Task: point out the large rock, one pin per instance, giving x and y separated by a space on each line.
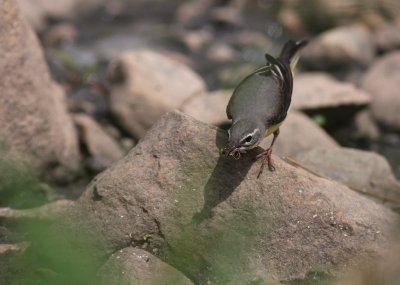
381 81
142 88
33 116
135 266
297 134
211 218
345 46
317 90
360 170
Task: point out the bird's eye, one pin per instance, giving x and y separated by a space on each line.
248 139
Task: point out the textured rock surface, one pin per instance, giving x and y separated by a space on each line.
211 218
297 134
33 116
101 146
142 88
381 81
340 47
362 170
134 266
209 109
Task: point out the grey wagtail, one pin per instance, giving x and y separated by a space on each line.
260 102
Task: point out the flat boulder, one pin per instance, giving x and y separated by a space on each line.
317 90
364 171
212 219
318 93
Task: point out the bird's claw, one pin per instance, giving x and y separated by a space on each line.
266 155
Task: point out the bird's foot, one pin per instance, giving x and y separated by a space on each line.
266 158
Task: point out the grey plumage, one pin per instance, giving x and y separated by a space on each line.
260 102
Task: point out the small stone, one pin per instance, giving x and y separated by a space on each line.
61 33
196 40
98 143
220 53
227 15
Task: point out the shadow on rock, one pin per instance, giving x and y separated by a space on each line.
225 178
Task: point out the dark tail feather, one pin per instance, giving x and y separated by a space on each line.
290 49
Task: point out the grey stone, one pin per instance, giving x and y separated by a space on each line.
194 13
33 115
211 218
142 88
381 81
220 53
317 90
98 143
365 126
344 46
196 40
135 266
361 170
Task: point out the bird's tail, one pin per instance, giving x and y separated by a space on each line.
290 49
289 53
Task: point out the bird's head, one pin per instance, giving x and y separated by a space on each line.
243 135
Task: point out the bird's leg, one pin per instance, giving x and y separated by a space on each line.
266 155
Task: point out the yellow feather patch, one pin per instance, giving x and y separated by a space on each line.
293 64
272 129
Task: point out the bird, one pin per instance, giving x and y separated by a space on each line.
260 102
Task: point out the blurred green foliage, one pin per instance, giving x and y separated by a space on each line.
51 257
19 185
319 120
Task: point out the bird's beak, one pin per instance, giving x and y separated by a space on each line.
233 151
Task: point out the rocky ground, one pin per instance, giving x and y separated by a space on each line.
112 117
